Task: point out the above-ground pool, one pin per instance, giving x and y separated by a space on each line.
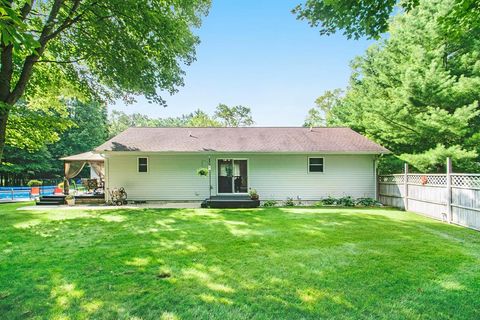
22 193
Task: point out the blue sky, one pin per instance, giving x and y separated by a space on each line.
255 53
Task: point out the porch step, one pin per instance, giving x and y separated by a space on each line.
230 202
49 202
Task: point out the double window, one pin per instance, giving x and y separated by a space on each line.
315 164
142 164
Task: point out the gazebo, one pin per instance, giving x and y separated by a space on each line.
73 165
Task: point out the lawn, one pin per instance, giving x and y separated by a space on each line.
279 263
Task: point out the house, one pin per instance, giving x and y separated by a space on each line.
279 162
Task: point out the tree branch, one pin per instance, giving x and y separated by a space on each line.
27 7
31 59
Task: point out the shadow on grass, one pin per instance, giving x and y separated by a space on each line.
242 264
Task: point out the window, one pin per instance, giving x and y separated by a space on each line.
315 164
142 164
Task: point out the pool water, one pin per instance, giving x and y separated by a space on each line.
12 193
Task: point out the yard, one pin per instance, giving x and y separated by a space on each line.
290 263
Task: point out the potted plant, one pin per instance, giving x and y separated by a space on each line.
70 200
253 194
202 172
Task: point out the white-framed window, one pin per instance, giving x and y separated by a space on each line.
142 164
316 164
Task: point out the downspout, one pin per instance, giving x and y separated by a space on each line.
209 178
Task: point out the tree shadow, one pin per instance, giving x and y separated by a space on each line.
256 264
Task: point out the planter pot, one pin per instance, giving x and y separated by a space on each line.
70 202
254 198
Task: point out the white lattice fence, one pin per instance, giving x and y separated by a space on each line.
447 197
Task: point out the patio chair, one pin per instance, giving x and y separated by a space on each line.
34 192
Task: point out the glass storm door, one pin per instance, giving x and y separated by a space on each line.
232 176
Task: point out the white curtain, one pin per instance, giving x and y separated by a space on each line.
72 169
99 168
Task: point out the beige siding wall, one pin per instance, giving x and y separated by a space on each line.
275 176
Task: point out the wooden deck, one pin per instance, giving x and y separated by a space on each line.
233 201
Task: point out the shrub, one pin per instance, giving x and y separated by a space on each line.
367 202
253 194
330 201
202 171
270 203
289 202
34 183
346 202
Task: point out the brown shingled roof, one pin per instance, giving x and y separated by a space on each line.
251 139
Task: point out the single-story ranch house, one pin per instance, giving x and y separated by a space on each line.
300 163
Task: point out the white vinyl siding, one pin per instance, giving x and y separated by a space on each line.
274 176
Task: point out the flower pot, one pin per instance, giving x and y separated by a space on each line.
70 202
254 197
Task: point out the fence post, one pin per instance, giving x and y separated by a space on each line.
449 190
13 195
405 187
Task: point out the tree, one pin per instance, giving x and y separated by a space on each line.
237 116
320 115
56 49
224 116
416 94
87 129
201 119
371 17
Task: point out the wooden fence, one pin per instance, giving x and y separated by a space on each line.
450 197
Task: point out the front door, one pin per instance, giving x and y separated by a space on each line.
232 176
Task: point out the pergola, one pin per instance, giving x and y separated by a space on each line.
73 165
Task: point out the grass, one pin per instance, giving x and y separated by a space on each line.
274 263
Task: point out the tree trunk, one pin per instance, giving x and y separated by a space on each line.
3 129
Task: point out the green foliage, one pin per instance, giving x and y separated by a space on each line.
270 203
223 116
415 94
200 118
320 115
356 18
435 159
34 183
289 202
237 116
85 129
268 264
253 194
367 202
202 172
348 201
370 18
54 51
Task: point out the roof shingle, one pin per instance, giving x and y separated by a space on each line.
243 139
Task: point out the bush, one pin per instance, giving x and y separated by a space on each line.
270 203
367 202
34 183
202 172
330 201
289 202
346 202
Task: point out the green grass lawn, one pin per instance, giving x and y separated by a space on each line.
274 263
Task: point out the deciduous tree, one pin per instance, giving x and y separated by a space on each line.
57 49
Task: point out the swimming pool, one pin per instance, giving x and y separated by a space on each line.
21 193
